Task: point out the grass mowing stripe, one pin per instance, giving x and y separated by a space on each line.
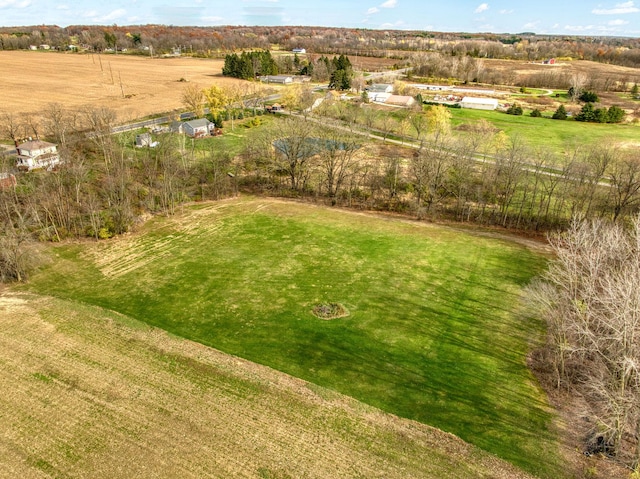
431 334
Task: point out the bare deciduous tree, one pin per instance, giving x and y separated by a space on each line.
590 297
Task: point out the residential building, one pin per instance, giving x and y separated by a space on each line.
35 154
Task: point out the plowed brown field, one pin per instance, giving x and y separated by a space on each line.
133 86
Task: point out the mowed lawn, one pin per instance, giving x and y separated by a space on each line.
557 136
432 333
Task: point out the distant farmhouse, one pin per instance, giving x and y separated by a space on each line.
35 154
479 103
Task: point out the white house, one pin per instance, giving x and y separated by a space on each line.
37 154
299 50
197 128
479 103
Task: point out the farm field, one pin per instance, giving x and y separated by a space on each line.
150 86
91 393
432 332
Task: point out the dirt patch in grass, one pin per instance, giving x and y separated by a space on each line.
328 311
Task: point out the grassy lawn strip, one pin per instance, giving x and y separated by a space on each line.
554 135
431 333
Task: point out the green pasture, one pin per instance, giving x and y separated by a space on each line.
432 333
545 133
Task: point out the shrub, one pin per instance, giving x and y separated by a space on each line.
515 110
615 114
588 113
560 113
536 113
588 96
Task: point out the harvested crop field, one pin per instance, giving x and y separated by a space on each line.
132 86
518 68
91 393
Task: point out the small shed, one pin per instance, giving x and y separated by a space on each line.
143 139
479 103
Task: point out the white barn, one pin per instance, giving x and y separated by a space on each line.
280 79
479 103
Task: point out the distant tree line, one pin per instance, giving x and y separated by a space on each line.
214 41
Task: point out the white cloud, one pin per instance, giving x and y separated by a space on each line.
62 7
619 9
617 22
483 7
530 25
14 3
114 15
395 24
372 10
505 12
213 19
578 28
108 18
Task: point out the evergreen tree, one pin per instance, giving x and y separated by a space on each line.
588 113
515 109
589 97
560 113
615 114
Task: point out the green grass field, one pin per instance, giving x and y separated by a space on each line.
432 334
553 135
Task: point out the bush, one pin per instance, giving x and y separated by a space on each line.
515 110
536 113
615 114
588 97
560 113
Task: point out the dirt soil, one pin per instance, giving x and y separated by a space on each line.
132 86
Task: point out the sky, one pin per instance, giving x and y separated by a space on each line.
573 17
